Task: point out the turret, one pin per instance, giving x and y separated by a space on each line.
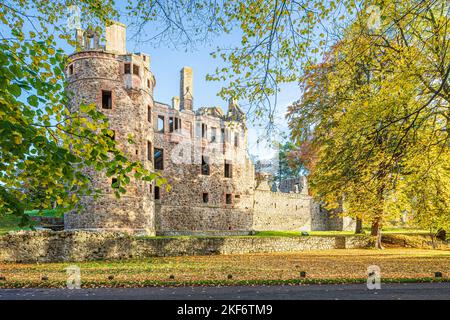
121 85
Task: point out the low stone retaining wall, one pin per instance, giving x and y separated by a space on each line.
54 246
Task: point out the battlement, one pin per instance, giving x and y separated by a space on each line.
115 39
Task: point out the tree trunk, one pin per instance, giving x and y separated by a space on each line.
359 227
433 241
376 231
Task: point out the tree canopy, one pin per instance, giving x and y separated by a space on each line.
45 147
376 113
372 123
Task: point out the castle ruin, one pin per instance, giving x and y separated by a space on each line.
201 152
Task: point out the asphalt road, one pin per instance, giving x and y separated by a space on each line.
422 291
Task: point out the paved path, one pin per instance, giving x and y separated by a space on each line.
336 292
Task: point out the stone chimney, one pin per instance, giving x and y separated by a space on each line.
115 36
79 34
235 113
305 187
186 89
176 103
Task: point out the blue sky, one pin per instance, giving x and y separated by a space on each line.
167 62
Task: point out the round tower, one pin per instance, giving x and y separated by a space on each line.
121 85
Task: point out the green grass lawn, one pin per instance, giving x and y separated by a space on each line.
298 233
338 233
44 213
11 222
393 230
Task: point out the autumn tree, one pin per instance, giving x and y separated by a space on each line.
44 147
377 109
43 144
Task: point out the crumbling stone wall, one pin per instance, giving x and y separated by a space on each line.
49 246
292 208
184 210
329 220
281 211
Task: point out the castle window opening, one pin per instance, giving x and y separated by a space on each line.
236 140
127 68
205 166
149 114
205 197
160 125
171 124
227 136
148 83
106 99
135 69
174 124
149 151
91 42
213 134
228 170
189 128
228 198
150 187
238 196
159 159
157 193
71 69
204 130
222 131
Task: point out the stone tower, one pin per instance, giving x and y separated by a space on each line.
121 85
186 89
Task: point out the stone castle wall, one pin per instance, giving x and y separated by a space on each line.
49 246
202 220
325 220
282 211
184 210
